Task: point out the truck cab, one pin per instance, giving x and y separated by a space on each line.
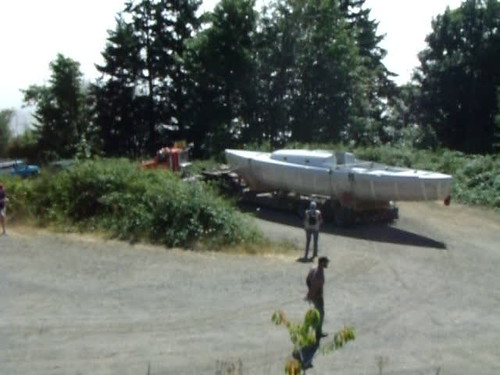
172 158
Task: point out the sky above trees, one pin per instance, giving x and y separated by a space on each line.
34 32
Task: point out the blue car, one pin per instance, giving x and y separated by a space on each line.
19 168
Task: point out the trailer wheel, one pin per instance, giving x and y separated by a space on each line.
301 210
344 216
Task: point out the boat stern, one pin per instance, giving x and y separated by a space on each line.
241 162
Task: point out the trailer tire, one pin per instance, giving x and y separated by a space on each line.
301 210
344 216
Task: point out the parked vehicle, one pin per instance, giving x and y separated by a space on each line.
174 158
18 168
62 164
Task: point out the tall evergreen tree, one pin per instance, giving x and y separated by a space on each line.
64 125
277 74
143 74
329 92
221 62
496 135
120 103
320 72
5 133
459 76
380 89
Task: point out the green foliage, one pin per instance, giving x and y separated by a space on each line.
478 180
304 334
220 60
301 334
320 73
20 192
123 131
117 196
301 71
496 147
64 126
459 76
5 133
24 146
144 81
340 338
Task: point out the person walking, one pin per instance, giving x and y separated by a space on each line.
312 222
315 281
3 204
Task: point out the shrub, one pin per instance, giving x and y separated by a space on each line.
19 192
304 340
115 195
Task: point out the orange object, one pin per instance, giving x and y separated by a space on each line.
172 158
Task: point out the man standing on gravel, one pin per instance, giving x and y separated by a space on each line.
315 281
3 203
312 221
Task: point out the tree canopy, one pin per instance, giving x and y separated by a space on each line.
295 70
144 84
5 133
459 76
64 125
301 70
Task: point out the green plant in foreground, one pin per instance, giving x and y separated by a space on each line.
304 334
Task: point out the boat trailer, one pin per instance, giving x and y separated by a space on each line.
344 212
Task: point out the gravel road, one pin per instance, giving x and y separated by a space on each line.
422 294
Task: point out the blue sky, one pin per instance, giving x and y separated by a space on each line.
34 31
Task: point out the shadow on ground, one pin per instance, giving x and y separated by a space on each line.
371 232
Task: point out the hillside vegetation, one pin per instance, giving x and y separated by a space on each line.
117 197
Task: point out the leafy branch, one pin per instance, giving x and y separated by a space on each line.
304 335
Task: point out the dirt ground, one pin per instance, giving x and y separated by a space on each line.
422 294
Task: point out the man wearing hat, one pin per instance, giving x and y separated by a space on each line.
312 221
315 281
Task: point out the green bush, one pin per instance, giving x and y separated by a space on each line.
19 192
117 196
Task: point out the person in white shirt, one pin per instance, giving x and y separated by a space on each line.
312 222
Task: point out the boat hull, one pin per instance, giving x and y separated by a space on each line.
359 180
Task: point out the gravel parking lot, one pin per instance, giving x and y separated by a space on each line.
423 295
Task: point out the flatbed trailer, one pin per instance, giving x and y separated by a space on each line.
332 209
345 211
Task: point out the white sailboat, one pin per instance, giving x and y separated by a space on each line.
336 174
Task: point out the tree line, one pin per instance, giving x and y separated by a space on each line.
295 71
